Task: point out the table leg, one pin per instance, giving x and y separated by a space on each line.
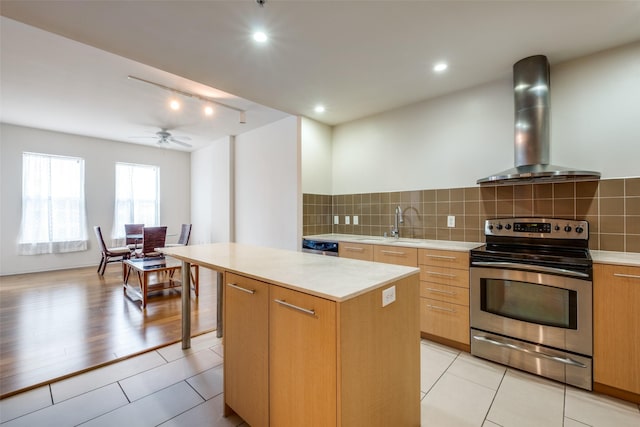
186 305
145 281
219 296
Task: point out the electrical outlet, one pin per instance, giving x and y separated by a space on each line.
336 219
346 220
355 220
388 296
451 221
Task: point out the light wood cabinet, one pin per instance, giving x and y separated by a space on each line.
328 363
398 255
616 335
302 339
246 348
444 297
361 251
446 259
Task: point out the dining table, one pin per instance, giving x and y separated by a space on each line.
143 267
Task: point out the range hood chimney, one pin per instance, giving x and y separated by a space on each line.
531 146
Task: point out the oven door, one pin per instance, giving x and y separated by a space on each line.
546 309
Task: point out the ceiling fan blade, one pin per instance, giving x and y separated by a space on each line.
177 141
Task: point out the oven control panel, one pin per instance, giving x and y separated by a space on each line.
551 228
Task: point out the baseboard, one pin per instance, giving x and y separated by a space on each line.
444 341
616 392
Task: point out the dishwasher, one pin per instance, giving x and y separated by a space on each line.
320 247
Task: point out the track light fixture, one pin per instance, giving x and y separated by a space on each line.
243 114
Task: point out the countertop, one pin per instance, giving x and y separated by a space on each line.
631 259
445 245
333 278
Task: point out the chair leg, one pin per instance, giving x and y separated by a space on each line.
102 261
104 265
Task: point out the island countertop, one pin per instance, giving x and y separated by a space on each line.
333 278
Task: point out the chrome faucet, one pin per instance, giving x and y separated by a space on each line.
395 231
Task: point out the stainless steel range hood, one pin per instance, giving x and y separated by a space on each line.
531 146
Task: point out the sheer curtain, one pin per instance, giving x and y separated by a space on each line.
137 197
54 216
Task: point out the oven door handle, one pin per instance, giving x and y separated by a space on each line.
565 360
529 267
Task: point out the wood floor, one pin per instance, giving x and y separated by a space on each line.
58 323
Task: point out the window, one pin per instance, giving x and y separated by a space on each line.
53 206
137 197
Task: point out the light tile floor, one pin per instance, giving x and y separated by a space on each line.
172 387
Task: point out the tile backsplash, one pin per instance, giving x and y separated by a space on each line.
612 207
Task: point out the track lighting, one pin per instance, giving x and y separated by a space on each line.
243 116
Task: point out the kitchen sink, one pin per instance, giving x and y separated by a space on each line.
371 240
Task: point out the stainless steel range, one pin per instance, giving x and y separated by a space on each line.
531 298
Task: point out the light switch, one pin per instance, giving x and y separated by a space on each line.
451 221
355 220
336 219
346 220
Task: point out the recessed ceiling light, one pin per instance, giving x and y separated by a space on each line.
260 37
319 109
174 104
440 67
208 110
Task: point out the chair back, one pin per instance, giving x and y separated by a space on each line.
98 231
185 233
153 237
132 229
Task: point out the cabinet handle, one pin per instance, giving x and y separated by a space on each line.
448 258
249 291
295 307
392 252
627 276
435 307
351 248
440 291
435 273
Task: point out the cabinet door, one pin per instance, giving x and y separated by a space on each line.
246 348
302 359
396 255
360 251
616 326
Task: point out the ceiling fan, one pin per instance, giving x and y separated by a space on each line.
164 137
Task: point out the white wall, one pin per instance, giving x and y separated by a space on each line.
316 157
100 158
268 205
211 193
452 141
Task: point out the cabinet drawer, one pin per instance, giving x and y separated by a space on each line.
450 321
446 293
361 251
396 255
451 259
444 275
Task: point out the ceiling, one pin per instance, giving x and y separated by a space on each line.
357 58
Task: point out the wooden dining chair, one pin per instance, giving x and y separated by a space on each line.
185 234
131 229
152 237
109 254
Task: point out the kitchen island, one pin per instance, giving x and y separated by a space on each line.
312 340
